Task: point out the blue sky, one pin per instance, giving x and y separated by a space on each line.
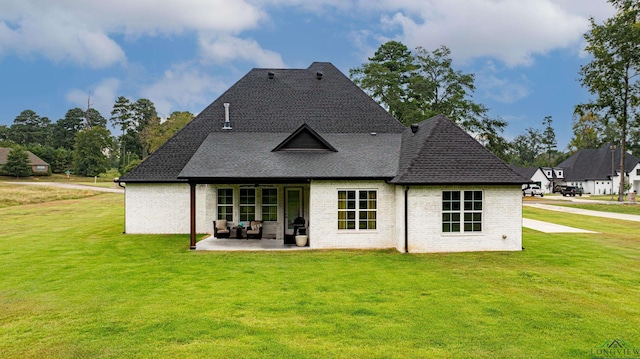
182 54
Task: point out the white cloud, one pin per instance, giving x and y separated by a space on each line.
509 30
502 89
102 96
223 49
82 31
182 88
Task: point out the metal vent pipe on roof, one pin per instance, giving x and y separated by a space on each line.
414 127
319 75
271 75
227 124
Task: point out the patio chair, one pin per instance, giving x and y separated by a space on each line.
221 229
254 231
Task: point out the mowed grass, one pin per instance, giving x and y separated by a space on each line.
15 195
73 286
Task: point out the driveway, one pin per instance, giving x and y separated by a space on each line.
71 186
586 212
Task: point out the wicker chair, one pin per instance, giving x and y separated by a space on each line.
221 229
254 231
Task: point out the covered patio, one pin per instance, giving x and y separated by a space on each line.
225 244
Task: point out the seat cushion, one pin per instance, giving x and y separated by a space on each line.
253 231
223 231
221 224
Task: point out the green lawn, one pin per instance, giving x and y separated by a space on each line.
73 286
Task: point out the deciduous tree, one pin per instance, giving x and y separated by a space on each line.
612 74
386 79
89 158
159 133
586 130
414 87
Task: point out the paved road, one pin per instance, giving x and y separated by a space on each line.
70 185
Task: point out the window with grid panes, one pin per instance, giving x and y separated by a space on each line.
225 203
357 209
269 204
461 211
247 204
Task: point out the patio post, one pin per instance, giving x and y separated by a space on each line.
192 204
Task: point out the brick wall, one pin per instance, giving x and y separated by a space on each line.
323 214
501 221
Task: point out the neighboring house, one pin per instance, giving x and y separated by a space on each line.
597 170
38 166
282 144
535 175
555 176
634 179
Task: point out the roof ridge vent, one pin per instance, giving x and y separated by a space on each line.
319 75
227 123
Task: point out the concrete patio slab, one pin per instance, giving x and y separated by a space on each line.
226 244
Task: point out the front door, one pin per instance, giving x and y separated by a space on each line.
293 209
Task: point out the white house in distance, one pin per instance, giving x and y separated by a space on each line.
597 170
281 144
536 175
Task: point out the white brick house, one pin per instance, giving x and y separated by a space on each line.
597 170
284 144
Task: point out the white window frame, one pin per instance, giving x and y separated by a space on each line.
461 214
229 214
269 205
246 217
357 210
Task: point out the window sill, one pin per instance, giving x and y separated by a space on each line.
466 234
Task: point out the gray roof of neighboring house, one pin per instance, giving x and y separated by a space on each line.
33 159
259 105
526 172
595 164
440 152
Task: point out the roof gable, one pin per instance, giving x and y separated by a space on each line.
527 172
304 139
440 152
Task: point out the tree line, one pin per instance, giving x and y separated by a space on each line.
82 143
416 85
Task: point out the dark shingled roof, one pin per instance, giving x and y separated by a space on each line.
595 164
228 157
258 104
440 152
526 172
305 117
